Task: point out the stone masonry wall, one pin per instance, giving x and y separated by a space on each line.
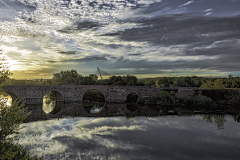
74 93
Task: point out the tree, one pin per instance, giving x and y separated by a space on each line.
72 73
116 80
162 82
230 76
69 80
207 85
180 82
30 82
93 76
57 76
50 82
20 82
4 69
10 120
104 82
130 80
218 84
87 81
149 82
140 82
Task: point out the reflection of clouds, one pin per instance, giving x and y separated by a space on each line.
95 109
6 99
48 107
96 136
44 132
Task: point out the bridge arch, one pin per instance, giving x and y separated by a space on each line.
84 93
59 96
14 96
132 96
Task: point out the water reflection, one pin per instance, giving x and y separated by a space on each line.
7 99
48 106
236 118
97 109
169 137
93 107
93 130
218 119
49 102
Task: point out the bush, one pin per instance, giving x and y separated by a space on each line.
161 98
232 97
198 101
141 100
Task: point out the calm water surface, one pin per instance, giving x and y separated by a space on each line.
102 131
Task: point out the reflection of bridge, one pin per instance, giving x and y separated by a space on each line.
74 93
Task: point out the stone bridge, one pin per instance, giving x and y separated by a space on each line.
33 94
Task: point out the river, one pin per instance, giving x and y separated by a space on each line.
103 131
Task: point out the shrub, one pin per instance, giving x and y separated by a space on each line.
10 120
161 98
141 100
232 97
198 101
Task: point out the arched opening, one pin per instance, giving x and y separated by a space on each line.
132 97
93 101
8 98
51 102
94 95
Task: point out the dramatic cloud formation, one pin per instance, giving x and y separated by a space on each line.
143 38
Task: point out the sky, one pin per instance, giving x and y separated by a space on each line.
145 38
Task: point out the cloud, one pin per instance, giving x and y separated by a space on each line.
67 52
90 58
186 4
207 10
158 34
9 8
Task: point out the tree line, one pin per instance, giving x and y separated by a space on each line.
73 78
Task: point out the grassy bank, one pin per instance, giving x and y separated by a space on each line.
206 99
